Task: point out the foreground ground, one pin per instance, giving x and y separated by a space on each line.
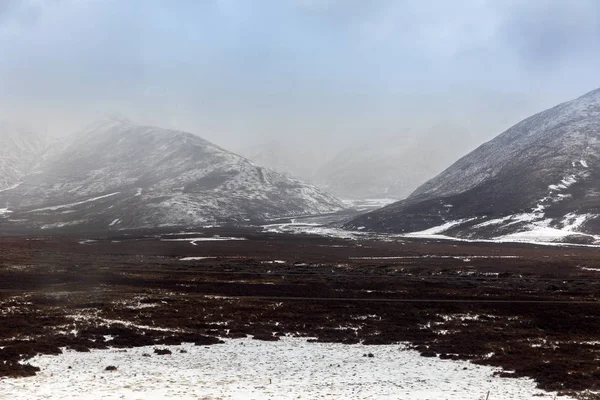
248 369
533 311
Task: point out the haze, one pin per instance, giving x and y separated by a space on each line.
314 75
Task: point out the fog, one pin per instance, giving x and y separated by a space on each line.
313 75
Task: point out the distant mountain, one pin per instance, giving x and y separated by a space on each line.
20 152
539 179
288 156
116 174
392 167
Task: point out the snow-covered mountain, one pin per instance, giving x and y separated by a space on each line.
540 178
20 151
116 174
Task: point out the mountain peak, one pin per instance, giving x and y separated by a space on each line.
117 117
108 120
117 174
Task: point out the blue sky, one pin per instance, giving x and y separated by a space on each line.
236 70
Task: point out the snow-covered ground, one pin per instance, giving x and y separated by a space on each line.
436 230
313 229
430 256
365 205
536 234
248 369
194 240
541 236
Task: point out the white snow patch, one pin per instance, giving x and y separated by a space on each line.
539 234
564 183
114 222
181 233
194 240
53 208
11 187
589 269
313 229
583 163
62 224
429 256
107 321
4 211
252 369
571 222
496 221
195 258
436 230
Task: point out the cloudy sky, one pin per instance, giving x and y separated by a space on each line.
307 70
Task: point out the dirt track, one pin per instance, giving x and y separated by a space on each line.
536 313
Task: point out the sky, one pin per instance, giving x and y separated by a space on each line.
314 73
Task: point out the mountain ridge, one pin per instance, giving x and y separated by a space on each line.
119 174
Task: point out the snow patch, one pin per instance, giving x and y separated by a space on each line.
287 369
540 233
436 230
588 268
571 222
429 256
313 229
6 189
193 241
53 208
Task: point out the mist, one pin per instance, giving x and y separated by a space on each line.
310 76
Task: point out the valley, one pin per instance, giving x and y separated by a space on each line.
528 311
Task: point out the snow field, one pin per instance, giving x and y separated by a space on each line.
250 369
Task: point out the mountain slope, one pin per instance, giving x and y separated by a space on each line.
541 174
20 150
116 174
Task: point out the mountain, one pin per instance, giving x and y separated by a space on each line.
20 151
116 174
539 179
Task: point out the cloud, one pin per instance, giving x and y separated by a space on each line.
544 34
321 68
